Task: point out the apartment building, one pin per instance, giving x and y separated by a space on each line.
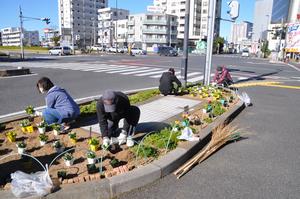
11 37
240 31
150 30
78 21
198 17
112 23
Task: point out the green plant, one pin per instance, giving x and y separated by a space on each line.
143 96
30 110
91 154
43 137
43 124
114 163
159 140
217 108
2 126
68 157
208 120
56 127
57 144
93 141
62 174
88 109
21 145
72 135
144 151
11 135
25 123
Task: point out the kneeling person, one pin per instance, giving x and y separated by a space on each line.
111 108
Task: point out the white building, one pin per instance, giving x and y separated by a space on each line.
274 39
11 37
48 38
294 11
150 30
262 19
198 16
122 31
79 18
108 19
240 31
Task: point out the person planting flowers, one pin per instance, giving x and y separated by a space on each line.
61 108
222 76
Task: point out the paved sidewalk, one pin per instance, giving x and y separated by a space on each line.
157 111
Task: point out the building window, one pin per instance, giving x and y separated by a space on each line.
204 11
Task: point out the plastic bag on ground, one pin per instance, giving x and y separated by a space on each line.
26 185
187 134
245 98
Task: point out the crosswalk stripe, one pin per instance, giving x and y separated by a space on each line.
127 70
196 79
150 73
104 68
140 71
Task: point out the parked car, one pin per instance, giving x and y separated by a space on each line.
97 48
167 51
60 51
124 49
112 49
138 51
245 53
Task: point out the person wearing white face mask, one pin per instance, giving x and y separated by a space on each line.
60 106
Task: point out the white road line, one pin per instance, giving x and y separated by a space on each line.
194 73
141 71
128 70
18 76
101 68
294 67
196 79
111 69
151 73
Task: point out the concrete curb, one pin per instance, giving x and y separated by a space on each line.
120 184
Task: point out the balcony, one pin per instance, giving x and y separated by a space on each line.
154 31
156 22
156 40
130 23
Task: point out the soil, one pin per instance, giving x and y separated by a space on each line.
47 153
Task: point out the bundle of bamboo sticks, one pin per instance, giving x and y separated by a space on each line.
220 136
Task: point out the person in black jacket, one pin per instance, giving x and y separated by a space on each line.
111 108
168 83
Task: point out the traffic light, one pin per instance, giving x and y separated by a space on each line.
234 9
47 20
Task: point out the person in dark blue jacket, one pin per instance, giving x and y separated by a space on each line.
60 106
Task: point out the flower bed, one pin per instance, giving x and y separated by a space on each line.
111 162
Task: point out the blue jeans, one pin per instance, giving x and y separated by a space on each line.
51 116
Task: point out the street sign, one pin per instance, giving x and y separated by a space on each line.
77 37
234 9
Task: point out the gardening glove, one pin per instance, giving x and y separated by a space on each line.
38 113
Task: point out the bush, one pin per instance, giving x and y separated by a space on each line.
159 140
145 151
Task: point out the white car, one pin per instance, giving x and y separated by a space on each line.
60 51
112 49
97 48
138 51
245 53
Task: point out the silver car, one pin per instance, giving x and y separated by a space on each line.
60 51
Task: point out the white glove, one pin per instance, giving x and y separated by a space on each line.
38 113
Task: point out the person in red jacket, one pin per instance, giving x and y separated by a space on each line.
222 76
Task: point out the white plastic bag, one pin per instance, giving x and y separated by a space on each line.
245 98
26 185
187 134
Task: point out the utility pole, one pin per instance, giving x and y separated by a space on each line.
210 38
21 34
170 29
281 30
117 26
184 60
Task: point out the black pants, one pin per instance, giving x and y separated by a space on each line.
131 119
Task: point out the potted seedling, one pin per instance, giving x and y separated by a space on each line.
176 126
91 157
207 108
69 159
94 144
42 127
26 126
30 110
62 174
73 137
21 147
114 163
91 168
58 147
231 98
56 129
43 139
2 126
11 136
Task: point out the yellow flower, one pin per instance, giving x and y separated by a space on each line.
177 122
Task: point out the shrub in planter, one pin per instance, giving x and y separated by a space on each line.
2 126
144 151
91 168
26 126
94 144
62 174
58 147
42 127
43 139
114 163
21 147
11 136
69 159
56 129
91 157
30 110
73 137
208 120
217 109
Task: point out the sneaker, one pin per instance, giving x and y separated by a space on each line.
106 142
129 141
114 140
122 137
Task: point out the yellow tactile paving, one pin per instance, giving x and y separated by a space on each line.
269 84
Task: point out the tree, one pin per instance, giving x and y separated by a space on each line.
265 49
218 44
56 40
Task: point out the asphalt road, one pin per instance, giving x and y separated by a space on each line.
85 76
265 164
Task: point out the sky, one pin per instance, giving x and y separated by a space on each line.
9 12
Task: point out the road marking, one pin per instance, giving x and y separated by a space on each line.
141 71
18 76
196 79
248 84
151 73
134 68
294 67
284 86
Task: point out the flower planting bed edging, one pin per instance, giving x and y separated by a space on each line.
14 72
141 176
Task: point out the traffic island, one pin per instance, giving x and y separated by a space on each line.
155 155
6 72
